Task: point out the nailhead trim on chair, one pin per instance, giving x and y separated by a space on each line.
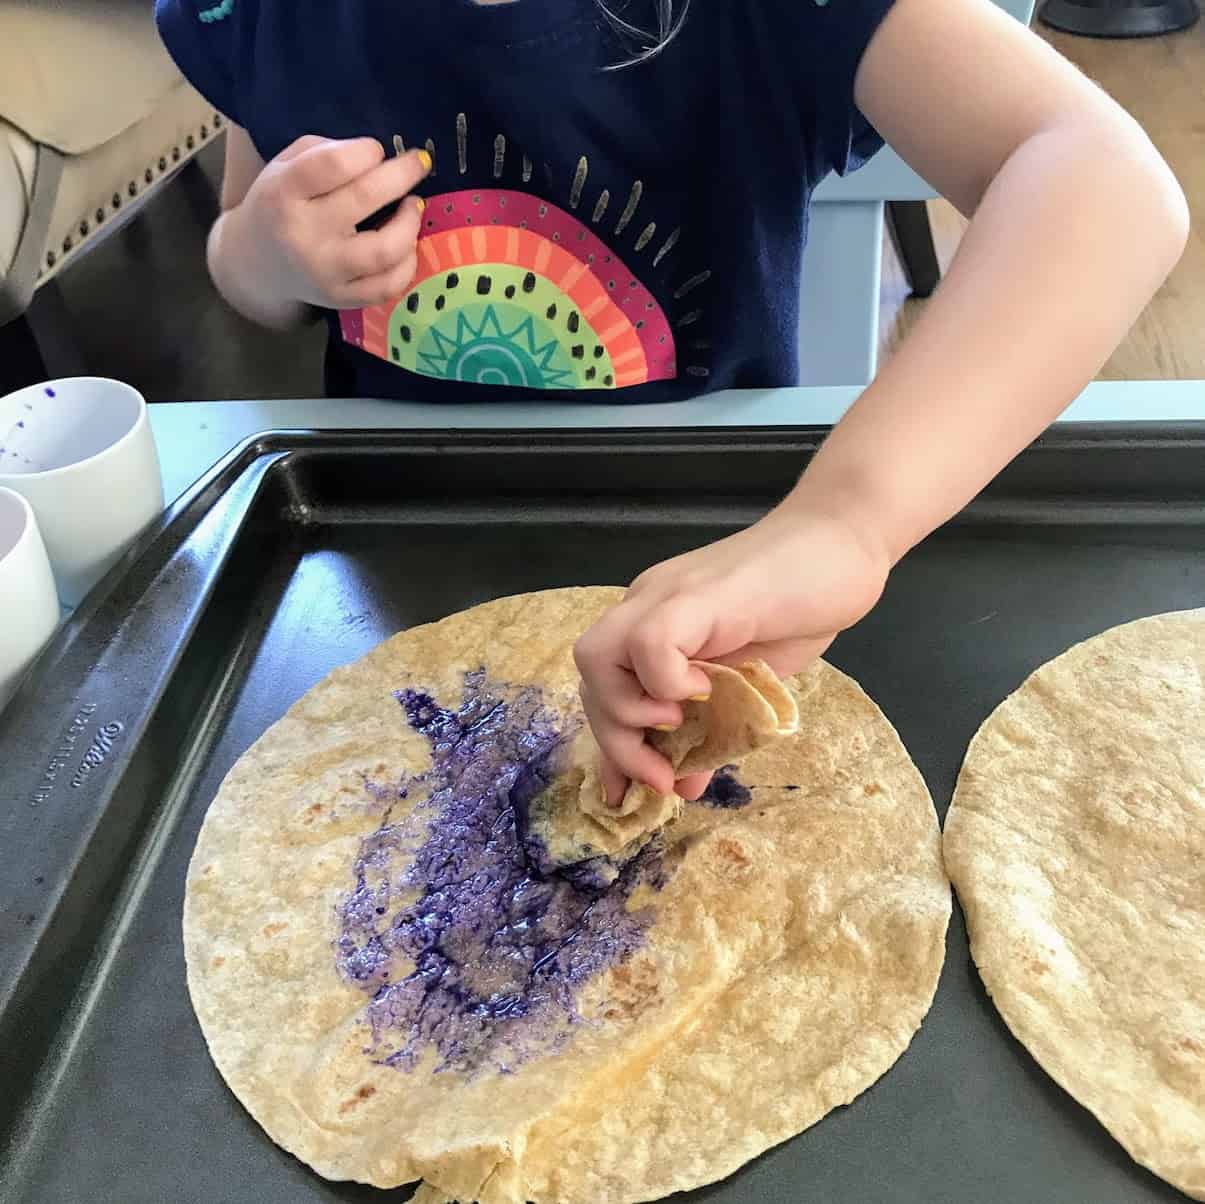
86 228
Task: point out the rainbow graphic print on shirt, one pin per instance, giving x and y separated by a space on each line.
513 290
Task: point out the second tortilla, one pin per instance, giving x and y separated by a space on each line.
1076 842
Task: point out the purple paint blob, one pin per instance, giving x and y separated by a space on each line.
50 393
21 423
465 938
726 790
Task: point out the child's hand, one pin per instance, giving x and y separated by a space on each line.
293 238
780 590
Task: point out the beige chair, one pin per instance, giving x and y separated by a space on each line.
94 120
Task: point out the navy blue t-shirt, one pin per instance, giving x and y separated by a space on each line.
637 232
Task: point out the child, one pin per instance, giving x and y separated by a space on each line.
574 221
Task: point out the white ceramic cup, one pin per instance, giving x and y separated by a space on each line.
29 608
82 452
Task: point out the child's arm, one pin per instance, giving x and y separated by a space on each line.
287 238
1077 221
290 236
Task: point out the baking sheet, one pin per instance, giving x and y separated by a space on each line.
301 552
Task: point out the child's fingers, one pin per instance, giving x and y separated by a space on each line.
600 650
624 748
693 785
372 252
295 148
637 761
657 645
608 675
329 165
360 197
376 290
616 692
615 784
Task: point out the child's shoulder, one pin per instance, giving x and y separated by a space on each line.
194 17
202 36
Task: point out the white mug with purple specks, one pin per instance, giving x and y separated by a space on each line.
82 452
29 609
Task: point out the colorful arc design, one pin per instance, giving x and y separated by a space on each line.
511 290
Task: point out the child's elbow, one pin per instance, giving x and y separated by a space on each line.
1178 221
1171 224
1168 220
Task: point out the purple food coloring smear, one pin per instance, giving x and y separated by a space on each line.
726 790
465 938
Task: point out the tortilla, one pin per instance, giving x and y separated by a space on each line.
1076 842
394 992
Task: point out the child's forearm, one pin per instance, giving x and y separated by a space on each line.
1069 243
233 269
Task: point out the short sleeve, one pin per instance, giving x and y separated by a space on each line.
201 36
835 36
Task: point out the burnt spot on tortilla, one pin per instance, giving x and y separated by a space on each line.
633 989
731 857
365 1091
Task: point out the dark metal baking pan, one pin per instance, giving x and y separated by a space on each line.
300 552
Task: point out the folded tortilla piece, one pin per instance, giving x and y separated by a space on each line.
748 708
